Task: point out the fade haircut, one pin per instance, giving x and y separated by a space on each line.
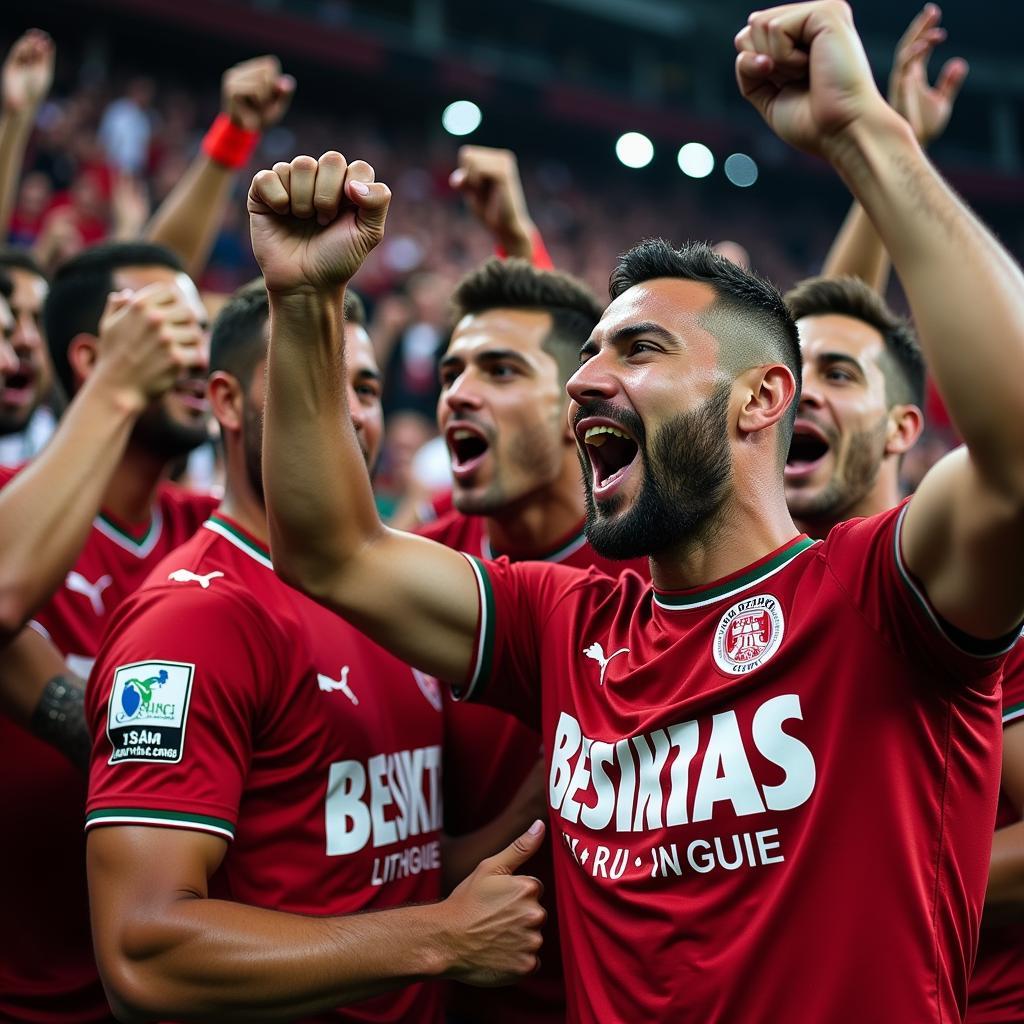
902 364
79 293
238 340
748 316
517 284
20 259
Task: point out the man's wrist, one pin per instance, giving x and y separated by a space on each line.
119 399
229 144
859 146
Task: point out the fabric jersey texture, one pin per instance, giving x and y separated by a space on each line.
47 970
487 755
997 984
226 702
770 797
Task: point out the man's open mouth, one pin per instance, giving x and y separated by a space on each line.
611 451
192 392
19 387
467 447
807 449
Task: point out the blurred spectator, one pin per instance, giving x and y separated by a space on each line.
127 126
34 198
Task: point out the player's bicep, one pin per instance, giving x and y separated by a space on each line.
964 542
416 598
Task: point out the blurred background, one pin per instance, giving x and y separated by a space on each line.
624 114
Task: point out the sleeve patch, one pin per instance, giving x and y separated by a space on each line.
148 711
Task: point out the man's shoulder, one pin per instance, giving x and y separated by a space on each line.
455 530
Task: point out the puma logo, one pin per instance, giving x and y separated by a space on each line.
78 584
329 685
187 576
596 652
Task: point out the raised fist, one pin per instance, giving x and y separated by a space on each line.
314 222
803 67
926 107
254 94
489 181
28 72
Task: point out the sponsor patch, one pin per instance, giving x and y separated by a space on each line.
748 634
148 710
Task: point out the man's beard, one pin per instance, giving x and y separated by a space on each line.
158 433
686 476
849 484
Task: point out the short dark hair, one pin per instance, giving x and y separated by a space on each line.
903 365
238 340
78 294
517 284
20 259
749 317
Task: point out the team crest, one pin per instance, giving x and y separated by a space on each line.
748 634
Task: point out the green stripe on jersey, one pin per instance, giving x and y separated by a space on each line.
1013 712
483 663
172 819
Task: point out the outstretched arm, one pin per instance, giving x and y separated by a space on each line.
313 223
803 67
27 77
858 250
254 96
167 950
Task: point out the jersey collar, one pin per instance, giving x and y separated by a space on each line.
566 547
140 540
697 597
234 534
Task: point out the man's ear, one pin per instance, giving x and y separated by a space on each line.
226 400
903 428
769 392
83 352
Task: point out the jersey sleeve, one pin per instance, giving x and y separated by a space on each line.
173 703
515 602
1013 685
866 558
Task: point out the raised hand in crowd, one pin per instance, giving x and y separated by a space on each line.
255 93
129 207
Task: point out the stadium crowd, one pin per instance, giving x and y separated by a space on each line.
510 655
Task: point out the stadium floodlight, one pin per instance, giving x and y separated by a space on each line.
461 117
696 160
741 170
634 150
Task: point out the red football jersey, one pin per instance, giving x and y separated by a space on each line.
226 702
487 755
770 796
47 970
997 984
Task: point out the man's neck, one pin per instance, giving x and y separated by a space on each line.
132 489
248 511
884 495
536 526
743 532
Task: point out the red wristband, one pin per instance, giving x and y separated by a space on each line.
227 144
539 256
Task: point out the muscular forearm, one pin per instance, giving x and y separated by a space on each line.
15 130
47 510
858 252
965 291
204 959
189 218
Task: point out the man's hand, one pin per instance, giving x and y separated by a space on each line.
489 181
254 94
495 917
314 222
803 67
28 73
926 107
148 340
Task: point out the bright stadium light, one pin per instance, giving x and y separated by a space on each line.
741 170
461 117
634 150
696 160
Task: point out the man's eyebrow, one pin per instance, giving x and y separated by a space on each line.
364 373
645 327
840 357
488 355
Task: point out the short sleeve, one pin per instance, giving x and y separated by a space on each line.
516 600
866 559
1013 686
173 703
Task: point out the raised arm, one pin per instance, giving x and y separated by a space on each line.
27 77
147 339
313 223
254 97
858 250
166 950
803 67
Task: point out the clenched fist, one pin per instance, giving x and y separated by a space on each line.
28 72
489 180
254 94
803 67
314 222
